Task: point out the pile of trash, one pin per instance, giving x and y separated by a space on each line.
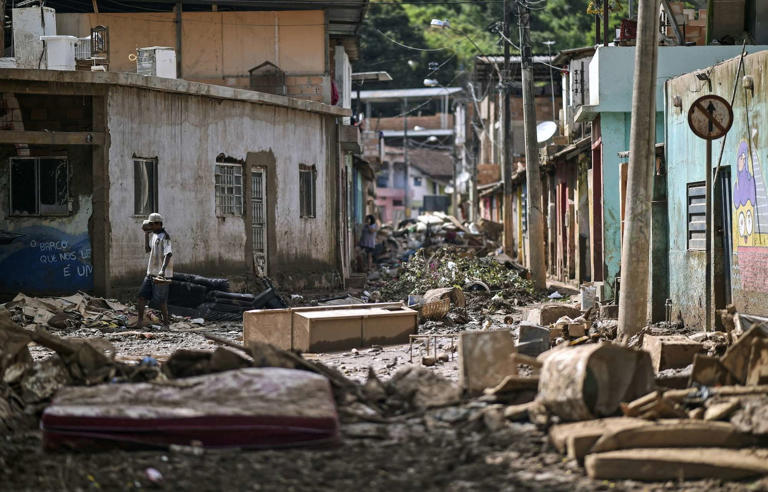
432 231
72 312
210 298
447 267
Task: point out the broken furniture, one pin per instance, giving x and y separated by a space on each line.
246 408
328 328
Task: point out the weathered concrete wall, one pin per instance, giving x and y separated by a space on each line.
746 147
186 134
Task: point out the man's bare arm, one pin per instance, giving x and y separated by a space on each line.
165 264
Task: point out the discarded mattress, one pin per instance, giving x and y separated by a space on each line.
246 408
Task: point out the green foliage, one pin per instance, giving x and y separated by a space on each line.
446 268
564 21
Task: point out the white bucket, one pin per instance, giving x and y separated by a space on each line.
59 52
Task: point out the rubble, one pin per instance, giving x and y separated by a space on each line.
485 359
670 352
581 383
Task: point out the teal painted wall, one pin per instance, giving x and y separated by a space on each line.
748 204
615 133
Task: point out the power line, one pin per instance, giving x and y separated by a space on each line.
405 45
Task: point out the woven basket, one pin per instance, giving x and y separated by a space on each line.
435 310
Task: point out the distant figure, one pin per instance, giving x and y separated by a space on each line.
368 239
157 242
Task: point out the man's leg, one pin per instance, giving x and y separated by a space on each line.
164 311
140 303
145 294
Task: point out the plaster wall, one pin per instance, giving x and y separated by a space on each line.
611 71
216 46
745 155
28 25
186 134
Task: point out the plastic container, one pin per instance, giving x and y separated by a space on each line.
59 52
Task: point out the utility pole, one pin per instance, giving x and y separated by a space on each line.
633 297
551 80
536 264
506 139
406 201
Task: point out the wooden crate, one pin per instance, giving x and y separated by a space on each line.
328 328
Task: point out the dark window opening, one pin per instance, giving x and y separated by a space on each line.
144 186
307 191
39 186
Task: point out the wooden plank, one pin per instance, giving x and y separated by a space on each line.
577 438
674 434
677 464
51 138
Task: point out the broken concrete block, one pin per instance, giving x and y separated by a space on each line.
578 329
532 339
736 359
609 311
757 373
709 371
670 351
674 464
581 383
484 359
550 313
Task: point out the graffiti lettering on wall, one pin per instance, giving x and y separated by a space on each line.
44 259
750 217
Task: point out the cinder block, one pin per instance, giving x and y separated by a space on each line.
609 311
671 351
550 313
485 359
532 339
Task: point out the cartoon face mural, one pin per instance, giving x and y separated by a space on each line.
750 198
750 217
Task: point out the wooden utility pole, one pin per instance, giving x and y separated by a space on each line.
536 264
406 201
633 297
506 143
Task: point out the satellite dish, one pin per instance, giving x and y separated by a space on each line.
545 130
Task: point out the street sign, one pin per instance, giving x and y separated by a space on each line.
710 117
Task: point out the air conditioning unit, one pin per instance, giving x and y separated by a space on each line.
157 61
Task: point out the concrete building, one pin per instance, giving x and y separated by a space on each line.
244 180
740 193
609 111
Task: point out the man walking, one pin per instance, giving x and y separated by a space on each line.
157 243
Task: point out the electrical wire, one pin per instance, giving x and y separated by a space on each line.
405 45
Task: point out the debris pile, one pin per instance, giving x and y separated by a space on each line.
210 298
447 267
710 429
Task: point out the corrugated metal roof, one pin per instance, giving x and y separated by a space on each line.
397 94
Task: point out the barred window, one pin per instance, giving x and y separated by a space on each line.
307 190
229 189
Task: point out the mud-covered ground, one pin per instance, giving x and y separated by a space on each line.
461 447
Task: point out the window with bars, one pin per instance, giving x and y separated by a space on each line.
229 190
697 216
144 186
39 186
307 191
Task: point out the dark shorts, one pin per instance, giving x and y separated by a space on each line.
158 294
367 249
